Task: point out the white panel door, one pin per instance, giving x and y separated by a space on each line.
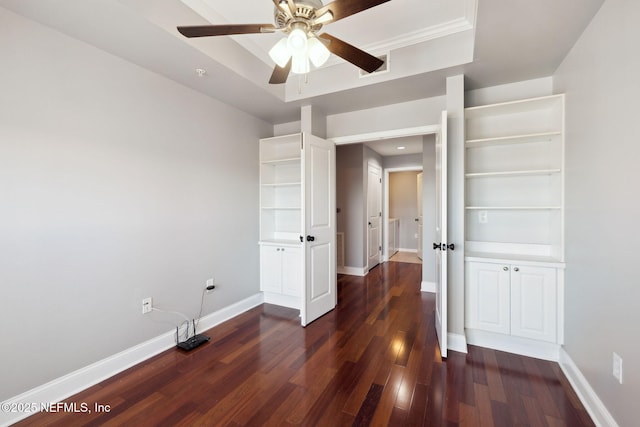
488 297
419 219
534 302
441 236
320 291
374 215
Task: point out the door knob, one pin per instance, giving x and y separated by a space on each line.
310 238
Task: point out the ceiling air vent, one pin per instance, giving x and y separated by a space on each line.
383 69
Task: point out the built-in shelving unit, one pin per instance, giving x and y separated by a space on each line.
280 189
514 178
514 225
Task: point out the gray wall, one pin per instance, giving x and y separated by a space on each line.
600 79
403 205
115 184
349 201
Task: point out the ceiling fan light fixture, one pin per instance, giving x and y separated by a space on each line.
300 64
297 42
317 51
280 54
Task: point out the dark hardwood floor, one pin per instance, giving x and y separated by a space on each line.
374 360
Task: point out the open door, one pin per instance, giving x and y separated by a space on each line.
319 295
440 245
419 218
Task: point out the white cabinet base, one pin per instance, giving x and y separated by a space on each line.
516 345
281 299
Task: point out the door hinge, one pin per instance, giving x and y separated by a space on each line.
379 248
380 214
380 180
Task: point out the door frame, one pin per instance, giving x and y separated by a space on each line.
389 134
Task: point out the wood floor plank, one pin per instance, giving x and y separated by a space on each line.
374 360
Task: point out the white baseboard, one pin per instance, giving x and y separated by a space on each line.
353 271
457 342
592 403
415 251
73 383
510 344
428 287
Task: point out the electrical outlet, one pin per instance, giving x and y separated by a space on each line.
483 217
617 367
147 305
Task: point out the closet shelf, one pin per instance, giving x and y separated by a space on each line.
282 184
290 160
512 208
513 139
513 173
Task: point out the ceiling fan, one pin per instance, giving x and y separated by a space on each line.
301 21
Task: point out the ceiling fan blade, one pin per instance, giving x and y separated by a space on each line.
224 30
280 74
343 8
283 7
350 53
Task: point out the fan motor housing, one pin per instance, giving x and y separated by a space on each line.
305 13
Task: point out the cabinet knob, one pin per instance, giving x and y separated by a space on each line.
277 249
516 269
310 238
505 268
282 249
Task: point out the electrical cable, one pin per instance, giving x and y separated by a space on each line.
186 319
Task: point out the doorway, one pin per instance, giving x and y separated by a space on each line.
404 205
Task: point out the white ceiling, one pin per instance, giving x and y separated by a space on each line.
392 146
490 41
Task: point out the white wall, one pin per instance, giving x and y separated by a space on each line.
424 112
115 184
600 79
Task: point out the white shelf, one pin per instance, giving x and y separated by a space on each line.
513 208
514 107
281 208
283 184
539 172
290 160
515 139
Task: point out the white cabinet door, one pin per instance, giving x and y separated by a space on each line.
533 302
488 302
270 269
292 279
